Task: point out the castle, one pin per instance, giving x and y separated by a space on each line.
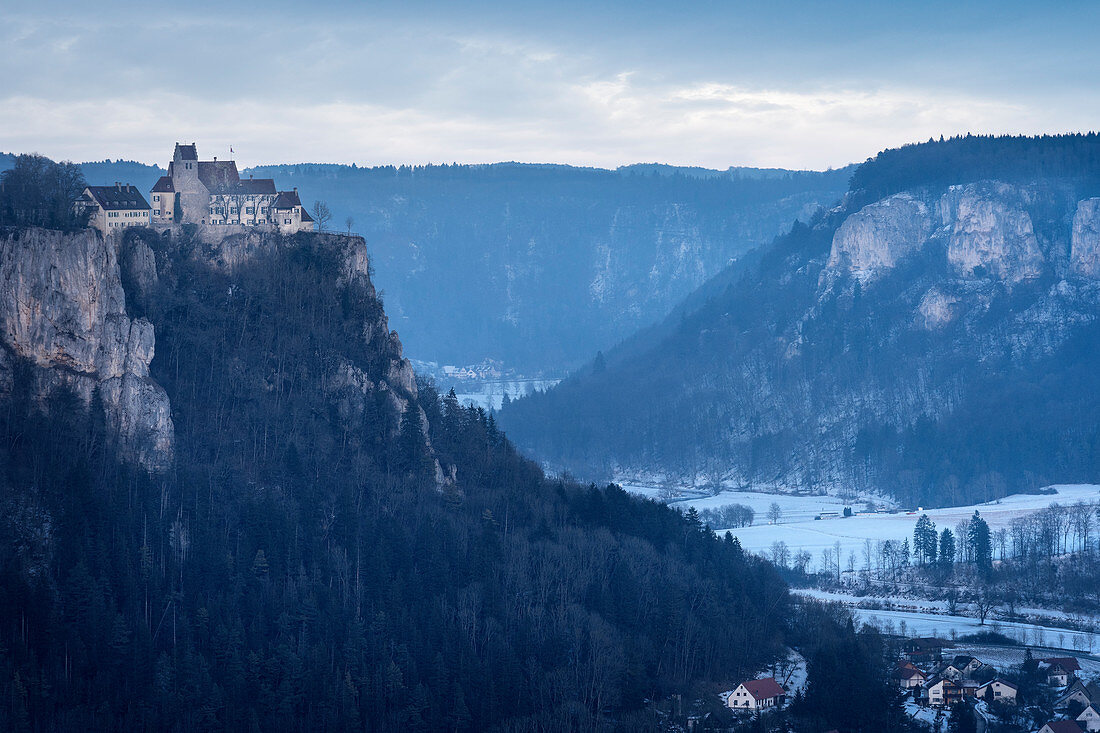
212 193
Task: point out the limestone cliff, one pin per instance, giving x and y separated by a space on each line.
64 313
880 235
1085 247
983 229
988 227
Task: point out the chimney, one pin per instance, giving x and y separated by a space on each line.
215 159
118 186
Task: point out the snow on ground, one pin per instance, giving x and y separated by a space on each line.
801 532
1004 657
909 623
1041 616
793 508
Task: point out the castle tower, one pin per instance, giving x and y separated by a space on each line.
193 197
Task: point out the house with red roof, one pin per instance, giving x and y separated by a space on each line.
756 695
1061 726
1060 671
908 676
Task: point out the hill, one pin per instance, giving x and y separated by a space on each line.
929 338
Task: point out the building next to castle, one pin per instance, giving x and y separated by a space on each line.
110 208
212 193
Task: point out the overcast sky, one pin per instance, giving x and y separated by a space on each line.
787 84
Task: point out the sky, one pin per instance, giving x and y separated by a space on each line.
805 85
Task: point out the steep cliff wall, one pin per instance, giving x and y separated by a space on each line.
63 311
983 229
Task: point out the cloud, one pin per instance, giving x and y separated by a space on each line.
378 87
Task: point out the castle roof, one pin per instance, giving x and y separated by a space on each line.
305 215
163 185
219 176
118 197
287 200
187 152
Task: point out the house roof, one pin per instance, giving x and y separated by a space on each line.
963 659
927 642
117 197
286 200
1006 683
1067 663
187 152
908 673
163 185
1063 726
763 689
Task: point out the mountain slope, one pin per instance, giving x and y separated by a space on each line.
927 338
329 545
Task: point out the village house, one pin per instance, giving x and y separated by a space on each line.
924 650
1078 693
112 208
942 692
908 676
1089 719
212 192
1060 671
966 665
1061 726
756 695
997 690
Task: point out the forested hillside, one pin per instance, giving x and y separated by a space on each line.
305 565
931 338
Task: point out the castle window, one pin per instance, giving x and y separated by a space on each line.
250 210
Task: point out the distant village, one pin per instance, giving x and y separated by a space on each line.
932 681
206 193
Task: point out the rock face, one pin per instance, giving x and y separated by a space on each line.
988 228
879 235
63 311
984 229
1085 245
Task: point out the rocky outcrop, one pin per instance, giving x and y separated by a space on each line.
1085 243
936 309
879 235
63 311
989 232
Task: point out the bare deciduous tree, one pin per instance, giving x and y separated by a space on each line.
321 214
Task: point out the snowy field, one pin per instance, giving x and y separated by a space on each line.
794 508
798 528
910 623
490 394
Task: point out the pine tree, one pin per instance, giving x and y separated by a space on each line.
981 545
947 547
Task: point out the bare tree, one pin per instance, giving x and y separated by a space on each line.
985 604
774 513
321 214
349 223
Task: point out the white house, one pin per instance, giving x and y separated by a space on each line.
757 695
1089 719
966 665
998 690
111 208
908 676
942 692
1060 671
